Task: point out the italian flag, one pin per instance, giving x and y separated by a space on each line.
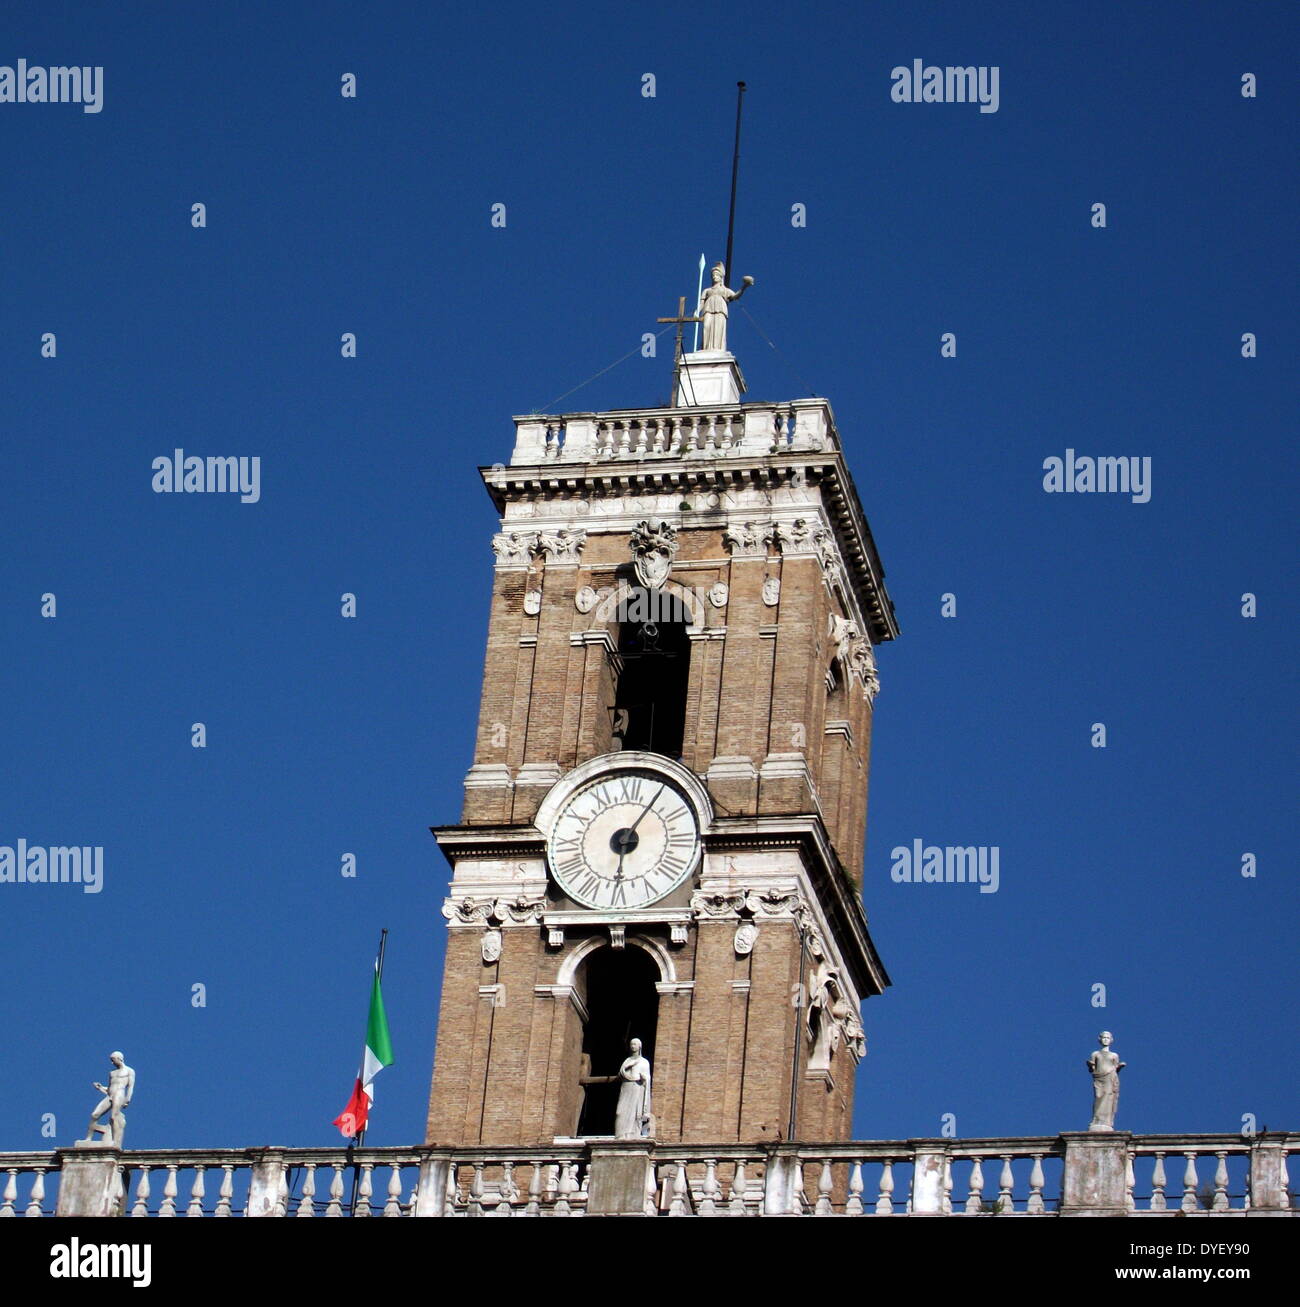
379 1054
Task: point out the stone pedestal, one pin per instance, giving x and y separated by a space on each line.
268 1193
1096 1173
709 376
1269 1194
89 1184
431 1192
782 1183
621 1178
929 1171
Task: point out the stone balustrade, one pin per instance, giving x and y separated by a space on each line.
1081 1174
675 433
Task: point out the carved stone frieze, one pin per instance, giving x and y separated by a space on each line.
519 911
561 546
745 540
514 548
793 537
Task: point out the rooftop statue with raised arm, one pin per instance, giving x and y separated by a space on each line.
713 307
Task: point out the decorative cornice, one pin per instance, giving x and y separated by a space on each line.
826 472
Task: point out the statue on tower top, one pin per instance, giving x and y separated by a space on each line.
713 307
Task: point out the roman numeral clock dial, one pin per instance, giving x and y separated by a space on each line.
624 841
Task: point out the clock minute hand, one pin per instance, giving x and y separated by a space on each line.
648 806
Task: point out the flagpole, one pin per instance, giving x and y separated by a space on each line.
358 1140
735 172
379 973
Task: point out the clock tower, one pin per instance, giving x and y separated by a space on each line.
662 831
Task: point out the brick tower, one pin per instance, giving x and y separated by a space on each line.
662 833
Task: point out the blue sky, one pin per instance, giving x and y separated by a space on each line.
1119 866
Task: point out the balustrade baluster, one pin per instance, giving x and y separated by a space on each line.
37 1196
476 1191
1189 1203
710 1191
1221 1203
393 1207
825 1183
1006 1187
946 1201
854 1205
534 1207
566 1188
11 1193
508 1191
1036 1182
885 1203
679 1206
975 1187
307 1203
1158 1183
226 1190
335 1205
141 1207
364 1190
739 1189
197 1195
168 1205
1130 1183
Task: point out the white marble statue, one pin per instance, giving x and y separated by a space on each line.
117 1097
713 307
632 1115
1105 1067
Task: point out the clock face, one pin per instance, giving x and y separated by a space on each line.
624 840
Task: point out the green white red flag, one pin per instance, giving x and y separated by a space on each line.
379 1054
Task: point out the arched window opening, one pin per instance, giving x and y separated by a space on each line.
655 658
622 1004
